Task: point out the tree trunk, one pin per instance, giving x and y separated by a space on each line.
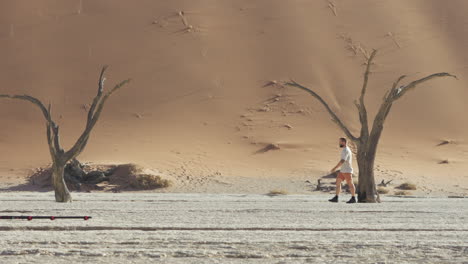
367 151
62 194
366 187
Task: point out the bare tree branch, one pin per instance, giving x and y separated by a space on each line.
395 84
50 140
335 118
102 79
366 76
53 140
50 136
83 139
52 128
55 129
361 105
397 93
33 100
96 99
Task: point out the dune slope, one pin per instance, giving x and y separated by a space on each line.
199 109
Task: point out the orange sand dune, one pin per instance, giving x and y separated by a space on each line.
198 109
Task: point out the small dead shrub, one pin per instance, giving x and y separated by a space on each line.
407 186
147 181
118 178
134 176
402 193
382 190
277 192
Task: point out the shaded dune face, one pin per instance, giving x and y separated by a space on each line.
199 97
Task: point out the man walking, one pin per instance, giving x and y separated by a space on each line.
346 172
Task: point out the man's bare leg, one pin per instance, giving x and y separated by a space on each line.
338 189
351 186
338 185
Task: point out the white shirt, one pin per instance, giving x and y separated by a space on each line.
347 156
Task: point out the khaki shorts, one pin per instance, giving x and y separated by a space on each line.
345 176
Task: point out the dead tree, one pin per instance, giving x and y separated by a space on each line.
59 156
368 139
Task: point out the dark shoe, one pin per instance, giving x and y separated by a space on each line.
352 200
334 199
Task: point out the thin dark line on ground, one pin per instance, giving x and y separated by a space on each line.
265 229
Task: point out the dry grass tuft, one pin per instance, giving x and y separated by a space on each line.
407 186
382 190
148 181
277 192
402 193
134 176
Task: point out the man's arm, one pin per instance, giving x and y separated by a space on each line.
337 166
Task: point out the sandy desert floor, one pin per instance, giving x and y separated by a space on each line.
221 228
